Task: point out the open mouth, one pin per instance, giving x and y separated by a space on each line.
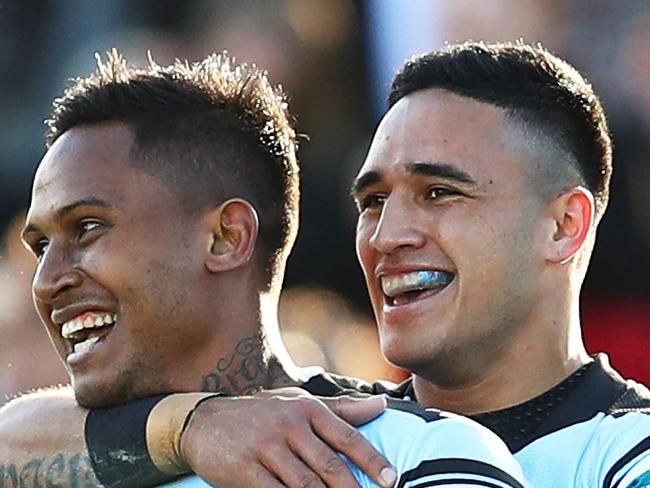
85 330
404 288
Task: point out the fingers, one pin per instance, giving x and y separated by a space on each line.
345 439
284 441
261 477
291 470
356 411
329 465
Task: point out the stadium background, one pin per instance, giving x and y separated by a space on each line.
335 58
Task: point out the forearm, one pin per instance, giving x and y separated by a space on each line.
42 442
48 440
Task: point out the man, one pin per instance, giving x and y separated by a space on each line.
161 218
479 202
499 155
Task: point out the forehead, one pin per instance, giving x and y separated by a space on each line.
438 126
83 152
90 162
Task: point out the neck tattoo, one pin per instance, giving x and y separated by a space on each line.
246 371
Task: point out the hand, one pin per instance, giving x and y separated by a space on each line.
283 439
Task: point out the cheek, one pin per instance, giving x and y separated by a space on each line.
362 244
118 271
161 290
104 255
498 255
53 331
120 261
43 312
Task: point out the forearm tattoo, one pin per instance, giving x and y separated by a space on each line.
60 471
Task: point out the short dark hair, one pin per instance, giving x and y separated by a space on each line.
212 130
532 85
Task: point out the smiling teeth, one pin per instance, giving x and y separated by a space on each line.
85 346
91 321
415 281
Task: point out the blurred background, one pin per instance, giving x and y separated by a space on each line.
335 58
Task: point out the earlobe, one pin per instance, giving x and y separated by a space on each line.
573 213
234 228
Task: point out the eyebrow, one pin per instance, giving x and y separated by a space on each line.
65 210
440 170
363 181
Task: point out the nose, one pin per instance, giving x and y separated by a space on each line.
397 227
55 274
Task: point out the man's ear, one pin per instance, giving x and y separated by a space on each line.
234 229
573 213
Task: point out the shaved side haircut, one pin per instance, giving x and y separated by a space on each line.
211 131
540 93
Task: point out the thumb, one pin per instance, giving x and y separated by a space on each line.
356 411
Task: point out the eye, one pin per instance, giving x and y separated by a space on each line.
88 225
39 248
371 201
437 192
89 229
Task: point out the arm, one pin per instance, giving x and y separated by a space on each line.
225 441
43 442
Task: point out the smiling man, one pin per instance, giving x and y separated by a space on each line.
478 205
479 202
161 218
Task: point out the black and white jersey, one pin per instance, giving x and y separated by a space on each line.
427 447
590 431
430 448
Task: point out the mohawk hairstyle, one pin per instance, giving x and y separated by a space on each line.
533 86
212 130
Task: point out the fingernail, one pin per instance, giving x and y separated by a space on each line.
388 477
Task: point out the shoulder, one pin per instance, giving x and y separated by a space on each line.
441 433
619 450
427 444
40 407
634 398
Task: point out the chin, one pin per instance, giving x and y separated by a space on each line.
93 399
433 363
105 393
402 355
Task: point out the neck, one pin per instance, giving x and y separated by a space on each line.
255 361
544 351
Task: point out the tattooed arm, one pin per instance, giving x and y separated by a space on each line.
42 442
228 441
